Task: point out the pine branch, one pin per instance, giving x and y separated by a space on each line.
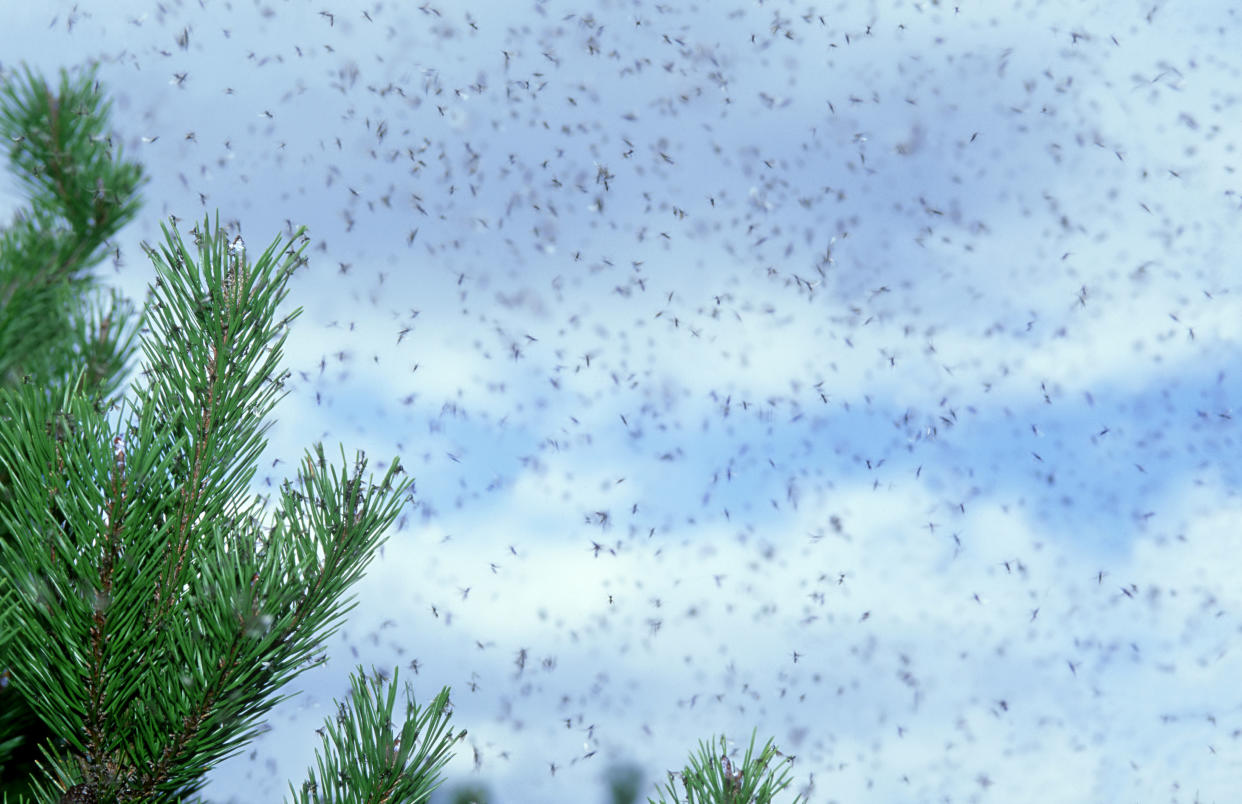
82 192
135 563
48 328
365 760
131 556
710 778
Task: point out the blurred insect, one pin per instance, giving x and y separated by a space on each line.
734 779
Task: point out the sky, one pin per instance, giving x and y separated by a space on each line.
859 374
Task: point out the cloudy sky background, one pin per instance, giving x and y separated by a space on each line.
887 351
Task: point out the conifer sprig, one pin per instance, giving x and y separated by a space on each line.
156 616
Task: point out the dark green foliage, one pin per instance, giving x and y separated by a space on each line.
712 778
364 759
54 326
624 782
470 793
151 609
82 192
136 560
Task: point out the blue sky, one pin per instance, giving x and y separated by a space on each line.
902 336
